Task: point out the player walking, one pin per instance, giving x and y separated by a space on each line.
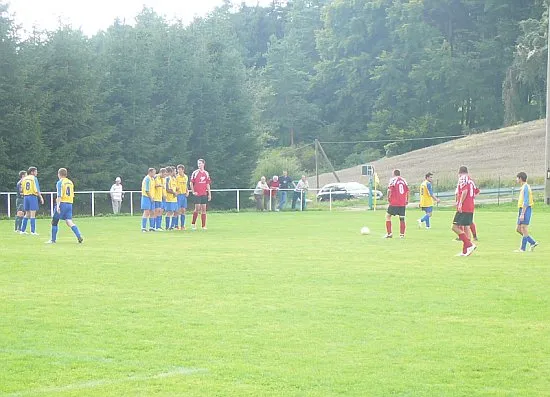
525 205
465 205
64 206
398 198
200 187
427 200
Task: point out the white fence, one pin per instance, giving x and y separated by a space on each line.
94 203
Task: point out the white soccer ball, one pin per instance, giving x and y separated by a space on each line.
365 230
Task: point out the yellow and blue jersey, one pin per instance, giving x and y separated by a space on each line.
147 186
181 182
525 198
65 190
172 185
426 193
30 186
159 188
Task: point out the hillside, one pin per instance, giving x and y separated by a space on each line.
487 155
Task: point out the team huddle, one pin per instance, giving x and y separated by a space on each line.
463 221
167 191
28 196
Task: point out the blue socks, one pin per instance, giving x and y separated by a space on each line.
427 220
524 243
182 220
33 225
167 221
152 223
24 225
76 231
144 223
54 233
159 222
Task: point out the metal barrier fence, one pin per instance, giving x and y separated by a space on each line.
98 203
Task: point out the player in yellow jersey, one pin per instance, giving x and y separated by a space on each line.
525 205
31 194
427 200
64 206
158 198
147 201
171 205
183 193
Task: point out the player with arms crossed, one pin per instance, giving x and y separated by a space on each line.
183 193
200 187
64 206
427 200
398 198
525 205
31 194
19 204
147 199
464 216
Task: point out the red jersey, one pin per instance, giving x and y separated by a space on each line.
398 192
200 180
466 184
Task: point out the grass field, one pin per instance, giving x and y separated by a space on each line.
275 304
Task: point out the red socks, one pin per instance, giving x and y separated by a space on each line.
473 229
402 227
466 243
203 220
195 214
388 227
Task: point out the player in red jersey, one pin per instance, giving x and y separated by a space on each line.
200 188
398 198
465 205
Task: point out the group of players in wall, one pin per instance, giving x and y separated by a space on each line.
463 222
167 191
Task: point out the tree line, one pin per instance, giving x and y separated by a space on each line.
248 84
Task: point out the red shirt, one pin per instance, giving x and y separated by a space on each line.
200 180
398 192
274 188
465 183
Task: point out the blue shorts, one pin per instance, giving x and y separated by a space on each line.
158 204
146 203
526 217
30 203
182 201
428 210
171 207
65 211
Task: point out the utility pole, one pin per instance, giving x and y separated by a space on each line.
547 137
317 161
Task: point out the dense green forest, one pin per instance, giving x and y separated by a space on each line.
249 84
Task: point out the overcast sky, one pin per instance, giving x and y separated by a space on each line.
94 15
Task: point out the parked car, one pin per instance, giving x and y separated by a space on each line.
345 191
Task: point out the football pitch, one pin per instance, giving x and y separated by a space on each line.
275 304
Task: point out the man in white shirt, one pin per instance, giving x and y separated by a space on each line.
117 194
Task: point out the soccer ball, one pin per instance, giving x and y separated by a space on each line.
365 230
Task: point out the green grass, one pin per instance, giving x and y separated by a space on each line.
275 304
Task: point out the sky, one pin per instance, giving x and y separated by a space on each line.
94 15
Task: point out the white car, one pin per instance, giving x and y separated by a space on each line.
345 191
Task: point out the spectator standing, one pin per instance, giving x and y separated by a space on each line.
261 187
117 194
285 183
274 188
300 192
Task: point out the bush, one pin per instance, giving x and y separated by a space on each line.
274 162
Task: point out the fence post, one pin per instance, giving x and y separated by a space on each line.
93 205
238 200
132 203
51 204
498 192
9 207
330 199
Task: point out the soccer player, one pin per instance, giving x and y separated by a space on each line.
158 199
171 205
427 200
200 187
147 200
525 205
464 215
64 206
31 194
398 198
19 204
183 193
